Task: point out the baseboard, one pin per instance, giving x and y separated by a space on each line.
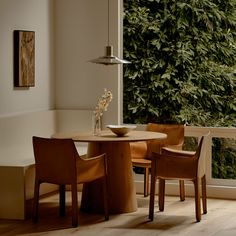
213 191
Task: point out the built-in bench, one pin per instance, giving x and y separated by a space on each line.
16 153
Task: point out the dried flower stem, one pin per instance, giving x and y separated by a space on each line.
103 103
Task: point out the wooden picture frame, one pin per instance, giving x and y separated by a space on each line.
24 58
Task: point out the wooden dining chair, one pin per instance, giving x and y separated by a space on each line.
141 151
180 165
58 162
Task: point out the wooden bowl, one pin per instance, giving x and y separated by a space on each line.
121 130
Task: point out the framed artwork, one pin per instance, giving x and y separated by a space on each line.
24 58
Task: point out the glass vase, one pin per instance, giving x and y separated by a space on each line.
97 125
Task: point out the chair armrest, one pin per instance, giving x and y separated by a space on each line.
176 146
94 158
180 153
91 168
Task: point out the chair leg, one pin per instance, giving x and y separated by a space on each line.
146 181
74 199
152 191
181 190
204 197
105 198
161 197
36 201
197 200
62 200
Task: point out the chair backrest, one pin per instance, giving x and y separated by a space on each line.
201 154
175 137
55 160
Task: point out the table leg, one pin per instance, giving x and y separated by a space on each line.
121 188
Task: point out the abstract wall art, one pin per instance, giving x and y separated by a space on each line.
24 58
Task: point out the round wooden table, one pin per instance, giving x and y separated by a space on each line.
121 187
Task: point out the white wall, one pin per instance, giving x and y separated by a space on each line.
68 34
35 15
81 34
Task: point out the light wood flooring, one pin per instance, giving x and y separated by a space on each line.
177 219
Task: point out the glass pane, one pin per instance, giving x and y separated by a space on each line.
224 158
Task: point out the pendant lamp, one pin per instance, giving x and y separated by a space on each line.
109 58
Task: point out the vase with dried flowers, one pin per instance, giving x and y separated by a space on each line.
101 107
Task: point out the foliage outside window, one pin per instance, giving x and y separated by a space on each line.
183 62
183 55
224 164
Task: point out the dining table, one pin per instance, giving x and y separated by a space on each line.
121 186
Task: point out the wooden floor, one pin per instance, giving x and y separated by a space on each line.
177 219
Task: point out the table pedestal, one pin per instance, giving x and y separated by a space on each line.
121 188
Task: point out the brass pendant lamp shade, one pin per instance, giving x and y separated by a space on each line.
109 58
